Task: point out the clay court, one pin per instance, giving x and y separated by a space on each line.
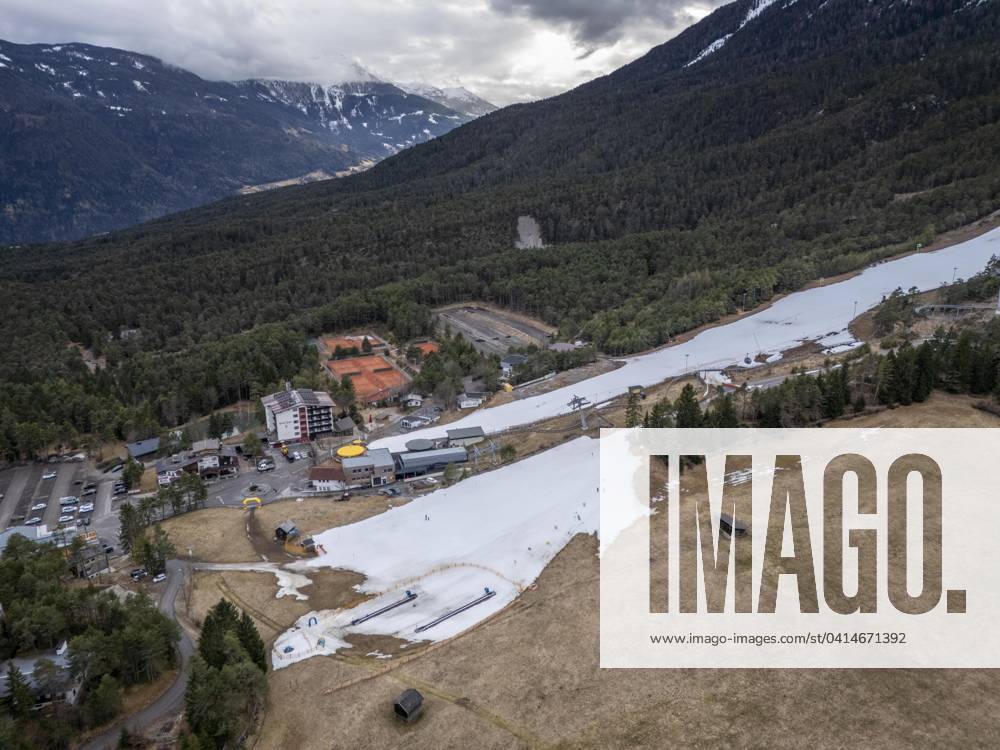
374 377
427 347
330 343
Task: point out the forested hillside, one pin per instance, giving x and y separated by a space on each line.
818 136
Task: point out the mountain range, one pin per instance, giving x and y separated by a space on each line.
767 146
95 138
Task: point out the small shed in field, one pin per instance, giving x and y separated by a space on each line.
286 530
409 705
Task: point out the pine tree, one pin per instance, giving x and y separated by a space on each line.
724 413
102 702
250 639
632 417
686 409
221 619
132 527
20 696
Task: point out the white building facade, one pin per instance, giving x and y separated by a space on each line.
297 415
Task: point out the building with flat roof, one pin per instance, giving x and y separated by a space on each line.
295 415
461 436
375 468
414 463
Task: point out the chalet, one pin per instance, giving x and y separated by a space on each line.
414 422
206 446
208 464
413 400
327 478
511 362
469 401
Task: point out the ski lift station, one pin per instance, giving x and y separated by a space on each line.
414 463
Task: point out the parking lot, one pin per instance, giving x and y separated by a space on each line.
492 331
31 496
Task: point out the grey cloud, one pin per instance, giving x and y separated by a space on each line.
504 50
595 23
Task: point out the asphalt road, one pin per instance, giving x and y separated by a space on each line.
172 699
12 488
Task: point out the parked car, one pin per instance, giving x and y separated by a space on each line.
84 521
159 577
88 493
138 574
49 475
68 500
68 509
34 521
108 549
388 491
87 508
38 506
118 468
65 519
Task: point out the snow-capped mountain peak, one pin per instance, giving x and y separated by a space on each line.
457 98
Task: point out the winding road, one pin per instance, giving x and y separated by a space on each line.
172 699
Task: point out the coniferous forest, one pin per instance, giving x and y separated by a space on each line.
833 135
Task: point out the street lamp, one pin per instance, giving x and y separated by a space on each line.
855 310
686 356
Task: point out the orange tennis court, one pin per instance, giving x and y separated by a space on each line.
374 377
330 343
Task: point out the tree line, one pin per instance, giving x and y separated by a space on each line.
113 644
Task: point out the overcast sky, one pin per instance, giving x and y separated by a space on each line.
504 50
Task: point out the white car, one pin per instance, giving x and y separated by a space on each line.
159 577
68 500
49 475
65 519
33 521
68 509
38 506
87 508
